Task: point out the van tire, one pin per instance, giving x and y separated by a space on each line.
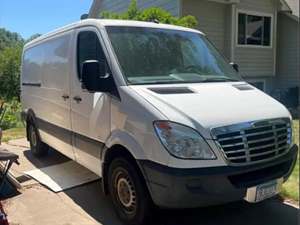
134 206
37 147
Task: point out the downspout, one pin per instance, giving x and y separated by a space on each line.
275 40
180 9
233 33
95 9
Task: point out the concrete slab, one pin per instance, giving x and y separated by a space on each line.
37 205
22 142
86 205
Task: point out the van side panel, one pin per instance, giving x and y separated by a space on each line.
45 79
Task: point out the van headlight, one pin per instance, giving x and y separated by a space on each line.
182 141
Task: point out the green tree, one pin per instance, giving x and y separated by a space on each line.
10 60
9 39
32 37
151 14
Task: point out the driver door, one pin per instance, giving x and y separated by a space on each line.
90 112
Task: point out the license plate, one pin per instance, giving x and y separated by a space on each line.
263 191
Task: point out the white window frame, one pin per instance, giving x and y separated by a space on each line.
253 13
257 80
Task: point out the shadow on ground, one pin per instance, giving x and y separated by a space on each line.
53 158
90 199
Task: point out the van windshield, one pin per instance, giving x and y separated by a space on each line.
158 56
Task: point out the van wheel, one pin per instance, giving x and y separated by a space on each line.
37 147
128 193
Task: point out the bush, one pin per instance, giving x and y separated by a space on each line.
151 14
10 61
12 116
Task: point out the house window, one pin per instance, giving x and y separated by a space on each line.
254 30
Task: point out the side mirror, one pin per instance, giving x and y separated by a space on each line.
93 74
235 66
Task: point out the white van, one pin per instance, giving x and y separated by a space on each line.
156 112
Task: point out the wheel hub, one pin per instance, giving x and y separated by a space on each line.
126 192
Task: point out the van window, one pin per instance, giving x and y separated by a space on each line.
56 62
88 48
33 64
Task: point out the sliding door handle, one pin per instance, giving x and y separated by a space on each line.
65 97
77 99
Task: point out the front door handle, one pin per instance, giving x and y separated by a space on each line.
65 97
77 99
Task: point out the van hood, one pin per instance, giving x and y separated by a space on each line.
207 105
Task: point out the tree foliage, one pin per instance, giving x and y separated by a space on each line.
9 39
151 14
11 45
10 60
32 37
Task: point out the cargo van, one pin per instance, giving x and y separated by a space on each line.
157 113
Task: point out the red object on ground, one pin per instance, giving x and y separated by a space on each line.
3 218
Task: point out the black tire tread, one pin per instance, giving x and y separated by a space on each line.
144 210
42 148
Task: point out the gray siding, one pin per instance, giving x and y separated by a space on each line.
212 19
266 6
121 5
288 53
257 61
170 5
116 6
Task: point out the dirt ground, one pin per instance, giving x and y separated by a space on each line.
86 205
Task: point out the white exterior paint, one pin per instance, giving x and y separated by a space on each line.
129 122
48 64
86 131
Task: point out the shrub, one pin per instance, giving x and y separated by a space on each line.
10 61
12 116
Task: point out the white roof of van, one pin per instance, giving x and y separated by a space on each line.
109 22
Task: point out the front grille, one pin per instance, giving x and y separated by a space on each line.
254 141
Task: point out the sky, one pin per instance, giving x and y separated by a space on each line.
28 17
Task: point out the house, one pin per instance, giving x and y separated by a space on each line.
262 36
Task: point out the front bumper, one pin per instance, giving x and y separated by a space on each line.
190 188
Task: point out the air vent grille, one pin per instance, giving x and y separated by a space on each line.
243 87
171 90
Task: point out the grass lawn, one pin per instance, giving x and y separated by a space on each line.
291 187
13 133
